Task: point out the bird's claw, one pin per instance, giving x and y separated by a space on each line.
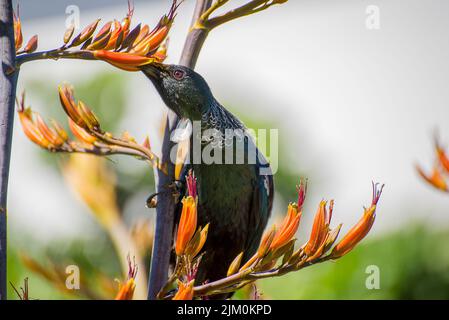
174 188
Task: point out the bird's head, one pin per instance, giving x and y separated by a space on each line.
182 89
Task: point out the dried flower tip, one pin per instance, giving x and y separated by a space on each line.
191 184
302 190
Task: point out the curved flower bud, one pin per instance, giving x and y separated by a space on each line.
435 178
68 33
80 133
18 37
196 244
235 265
31 130
123 60
320 228
31 46
288 228
442 157
85 34
361 229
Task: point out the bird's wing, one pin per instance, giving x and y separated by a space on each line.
261 205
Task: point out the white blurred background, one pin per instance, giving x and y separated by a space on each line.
352 104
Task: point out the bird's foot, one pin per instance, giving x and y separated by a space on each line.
173 188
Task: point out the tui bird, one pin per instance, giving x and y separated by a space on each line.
236 199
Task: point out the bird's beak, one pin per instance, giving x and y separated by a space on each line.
153 70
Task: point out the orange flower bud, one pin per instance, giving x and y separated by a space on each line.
436 178
69 105
250 262
131 37
185 291
60 130
48 133
80 133
361 229
288 228
100 43
116 37
18 37
442 157
196 244
187 224
143 32
320 228
88 116
31 46
266 242
69 33
156 39
235 265
123 60
104 31
31 130
85 34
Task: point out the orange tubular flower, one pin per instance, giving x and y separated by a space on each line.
17 30
185 291
187 224
361 229
68 103
80 133
288 228
436 178
196 244
320 228
31 130
442 157
38 131
123 60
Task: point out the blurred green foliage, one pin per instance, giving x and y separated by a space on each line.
413 264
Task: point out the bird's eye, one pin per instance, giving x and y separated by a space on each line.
178 74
